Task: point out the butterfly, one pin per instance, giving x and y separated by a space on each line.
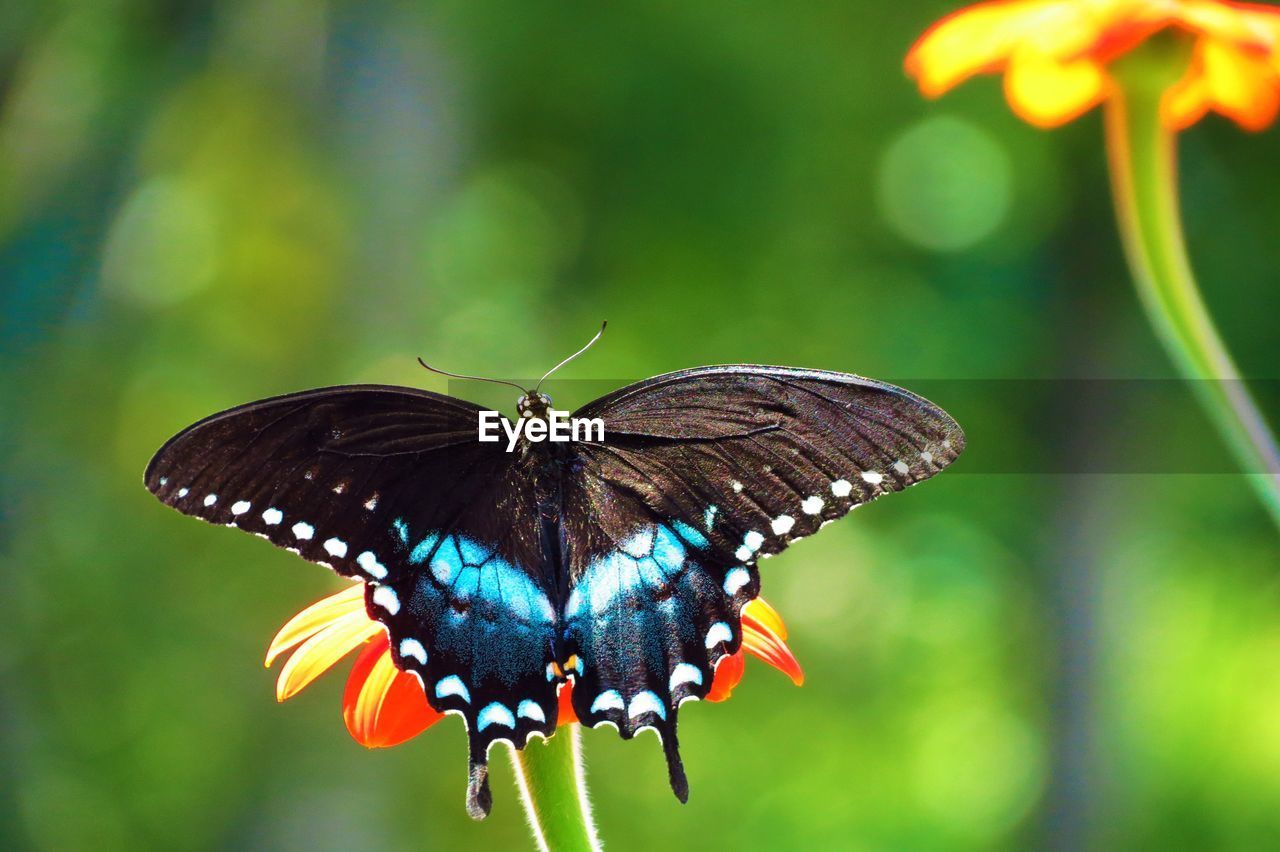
620 562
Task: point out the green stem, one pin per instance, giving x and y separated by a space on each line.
554 792
1142 154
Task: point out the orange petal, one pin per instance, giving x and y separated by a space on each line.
566 714
760 611
1242 86
315 618
382 705
316 655
728 673
1048 92
981 38
762 642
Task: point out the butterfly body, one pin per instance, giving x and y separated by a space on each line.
619 564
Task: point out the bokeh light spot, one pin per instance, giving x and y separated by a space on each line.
945 184
163 244
978 766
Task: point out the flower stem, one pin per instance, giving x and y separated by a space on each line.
1142 155
554 792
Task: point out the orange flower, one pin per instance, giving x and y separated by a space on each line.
384 706
1055 54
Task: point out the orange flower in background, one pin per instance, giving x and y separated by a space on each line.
1055 53
384 706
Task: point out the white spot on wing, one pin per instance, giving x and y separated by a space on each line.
752 540
743 553
608 700
371 503
719 632
386 597
531 710
452 685
685 673
413 648
901 467
872 477
735 580
783 524
841 487
926 457
812 505
646 702
211 499
737 487
271 517
335 547
240 507
183 492
303 530
371 565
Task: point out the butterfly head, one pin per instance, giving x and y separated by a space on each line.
534 404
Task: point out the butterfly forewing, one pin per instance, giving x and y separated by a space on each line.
326 473
768 455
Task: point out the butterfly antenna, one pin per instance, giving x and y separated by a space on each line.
471 378
590 343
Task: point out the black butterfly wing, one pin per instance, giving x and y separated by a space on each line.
391 486
714 468
651 610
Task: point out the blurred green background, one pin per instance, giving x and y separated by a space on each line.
203 204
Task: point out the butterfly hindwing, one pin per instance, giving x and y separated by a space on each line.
477 630
390 486
651 611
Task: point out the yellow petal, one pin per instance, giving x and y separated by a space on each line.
1048 92
1242 86
1186 102
761 611
316 655
973 40
315 618
1251 27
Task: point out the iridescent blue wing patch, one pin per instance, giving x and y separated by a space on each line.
479 633
647 619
